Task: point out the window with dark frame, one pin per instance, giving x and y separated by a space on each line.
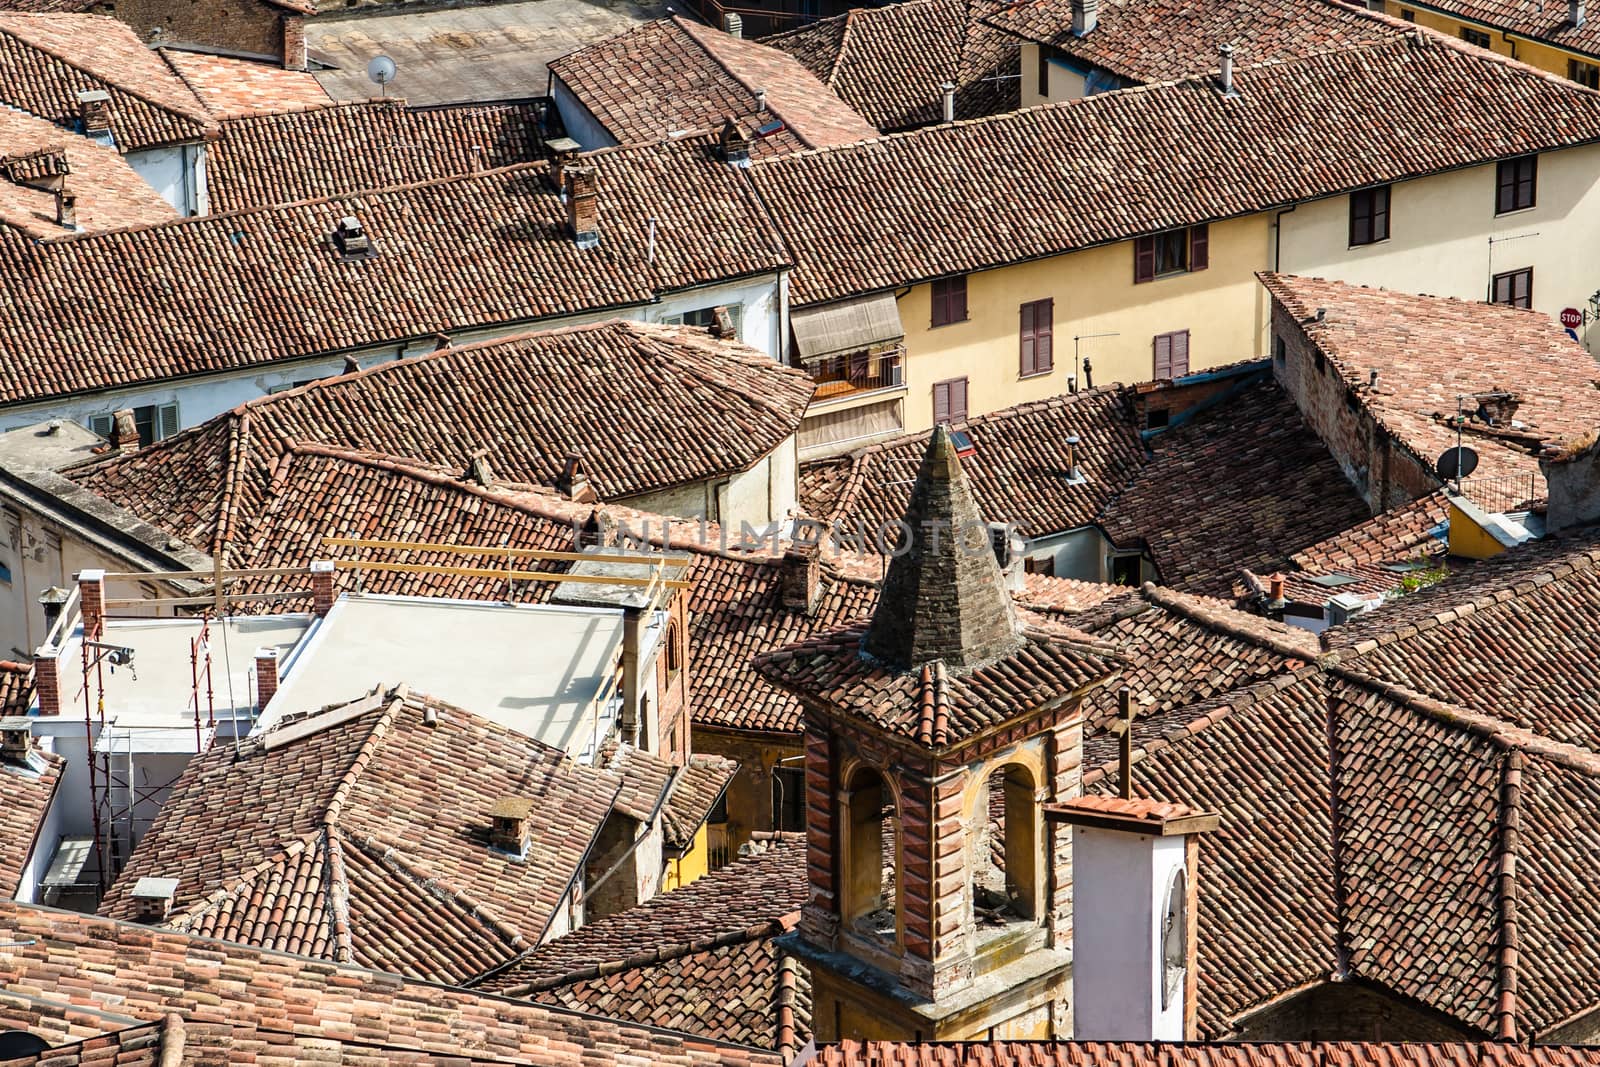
1477 37
1037 355
1369 216
1172 252
1514 287
1516 184
1171 355
950 401
1586 74
788 798
1408 14
1044 72
950 300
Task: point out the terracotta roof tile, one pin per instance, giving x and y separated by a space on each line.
1195 1054
26 791
1104 169
109 193
228 86
701 783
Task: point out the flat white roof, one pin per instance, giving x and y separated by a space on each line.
536 668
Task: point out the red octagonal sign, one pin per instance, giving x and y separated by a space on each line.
1571 318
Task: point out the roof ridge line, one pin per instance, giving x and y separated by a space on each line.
1172 601
205 904
238 447
364 755
1506 878
375 103
337 882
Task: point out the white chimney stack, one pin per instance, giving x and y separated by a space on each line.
1575 12
948 90
1085 17
733 23
1226 73
153 897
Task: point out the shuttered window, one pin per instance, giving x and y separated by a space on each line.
1514 287
1173 252
950 300
950 401
1369 216
154 422
1171 355
1516 182
1038 356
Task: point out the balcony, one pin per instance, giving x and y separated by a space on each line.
860 372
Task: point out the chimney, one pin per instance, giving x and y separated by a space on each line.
94 113
948 92
54 601
800 576
1575 13
510 826
1372 379
47 680
124 431
733 144
92 602
1074 475
152 899
66 209
733 23
563 151
574 482
1225 73
478 470
266 677
1276 599
761 101
583 210
16 740
599 530
351 365
321 587
1085 17
294 42
351 240
722 327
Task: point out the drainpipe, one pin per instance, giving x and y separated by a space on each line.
1277 239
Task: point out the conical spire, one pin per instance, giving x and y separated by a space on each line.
944 597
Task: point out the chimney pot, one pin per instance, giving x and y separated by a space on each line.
733 23
734 143
478 469
800 577
583 212
54 600
574 482
321 587
1575 13
1085 17
948 92
1372 378
124 431
16 739
1275 588
761 101
66 209
351 239
266 677
153 897
94 112
1225 75
510 822
1072 442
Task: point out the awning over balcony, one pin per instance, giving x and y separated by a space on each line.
850 326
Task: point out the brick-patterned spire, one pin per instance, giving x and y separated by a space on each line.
944 597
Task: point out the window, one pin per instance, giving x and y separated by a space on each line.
1477 37
1157 419
871 854
1127 570
950 401
1369 216
1044 72
788 798
1172 355
1408 14
950 300
1516 181
1173 252
153 421
1037 354
1045 565
673 651
1584 73
1514 287
706 318
1005 865
1280 350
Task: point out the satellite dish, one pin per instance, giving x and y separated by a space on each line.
381 70
1456 463
17 1044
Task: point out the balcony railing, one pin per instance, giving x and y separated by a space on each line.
1500 493
860 372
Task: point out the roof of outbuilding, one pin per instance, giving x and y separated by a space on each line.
646 408
329 149
108 192
46 60
360 834
231 86
662 78
1161 40
1105 169
891 62
481 250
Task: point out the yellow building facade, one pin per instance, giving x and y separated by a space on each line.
1530 50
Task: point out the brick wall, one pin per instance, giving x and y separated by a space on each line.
236 25
1383 471
819 921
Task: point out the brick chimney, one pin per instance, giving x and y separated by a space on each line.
16 739
733 144
124 431
94 113
321 587
266 677
66 209
800 577
92 602
153 897
574 482
580 189
1085 17
599 530
294 42
510 829
47 680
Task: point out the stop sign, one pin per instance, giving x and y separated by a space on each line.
1571 318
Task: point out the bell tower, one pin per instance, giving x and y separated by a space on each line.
941 900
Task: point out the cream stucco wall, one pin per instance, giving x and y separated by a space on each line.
1094 293
1064 82
761 495
1439 236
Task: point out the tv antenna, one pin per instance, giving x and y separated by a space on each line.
382 70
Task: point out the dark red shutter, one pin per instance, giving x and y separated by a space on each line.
941 402
1029 360
1163 353
1044 320
1144 259
1180 353
1199 247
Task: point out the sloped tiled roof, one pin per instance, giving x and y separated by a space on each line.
890 62
646 407
1542 22
1429 350
1160 40
326 150
484 250
673 75
364 838
26 793
229 86
109 193
1105 169
700 783
1243 484
46 60
699 959
16 687
1196 1054
275 1006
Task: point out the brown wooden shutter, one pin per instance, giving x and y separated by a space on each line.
1028 362
941 402
1180 353
1163 353
1044 322
958 400
1144 259
1199 247
958 299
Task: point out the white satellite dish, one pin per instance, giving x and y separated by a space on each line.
382 70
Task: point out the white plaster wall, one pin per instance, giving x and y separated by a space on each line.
692 500
579 121
1439 236
177 173
1079 553
44 849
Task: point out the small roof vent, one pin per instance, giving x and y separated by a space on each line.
350 240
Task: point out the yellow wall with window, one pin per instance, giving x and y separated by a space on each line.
1534 53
